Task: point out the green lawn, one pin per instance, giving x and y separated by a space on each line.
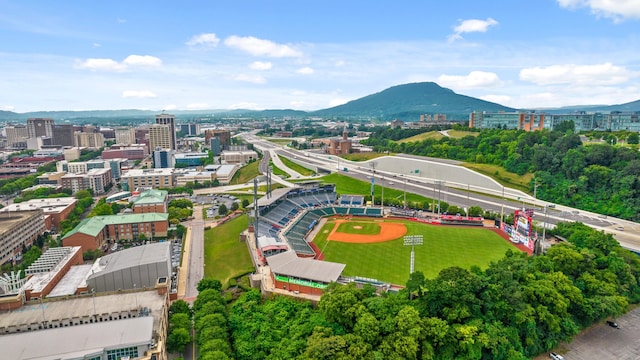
425 135
362 156
443 247
348 185
277 171
246 173
295 167
365 228
225 256
499 174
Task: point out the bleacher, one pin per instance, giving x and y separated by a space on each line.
356 211
340 210
351 200
373 212
267 229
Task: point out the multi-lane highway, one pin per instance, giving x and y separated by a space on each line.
444 179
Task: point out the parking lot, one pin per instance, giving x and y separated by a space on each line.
602 342
215 201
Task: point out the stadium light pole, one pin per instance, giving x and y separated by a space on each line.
405 192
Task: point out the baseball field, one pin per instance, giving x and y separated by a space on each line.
373 248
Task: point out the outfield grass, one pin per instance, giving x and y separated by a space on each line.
295 167
499 174
246 173
389 261
225 256
366 228
348 185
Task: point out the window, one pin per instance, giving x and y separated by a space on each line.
119 353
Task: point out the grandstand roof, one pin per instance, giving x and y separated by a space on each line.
275 195
289 264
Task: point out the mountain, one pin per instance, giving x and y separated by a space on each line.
409 101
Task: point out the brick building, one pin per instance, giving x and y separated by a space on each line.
19 229
151 201
55 210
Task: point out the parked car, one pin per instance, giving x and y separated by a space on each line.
613 324
556 356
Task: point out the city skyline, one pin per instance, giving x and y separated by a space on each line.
255 55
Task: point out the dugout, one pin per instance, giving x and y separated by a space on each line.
303 275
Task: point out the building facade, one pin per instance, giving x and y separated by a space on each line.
37 127
170 122
151 201
18 230
163 159
148 178
159 137
17 136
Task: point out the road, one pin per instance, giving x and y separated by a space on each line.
458 186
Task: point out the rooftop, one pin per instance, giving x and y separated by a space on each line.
132 257
148 172
75 342
93 226
289 264
48 205
10 219
151 196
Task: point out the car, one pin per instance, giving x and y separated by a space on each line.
556 356
613 324
620 228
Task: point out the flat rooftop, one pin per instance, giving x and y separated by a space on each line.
74 342
82 307
75 278
10 219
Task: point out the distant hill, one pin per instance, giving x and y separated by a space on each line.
407 102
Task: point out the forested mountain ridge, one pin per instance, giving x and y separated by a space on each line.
597 177
517 308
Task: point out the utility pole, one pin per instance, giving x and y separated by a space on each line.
502 208
405 191
373 164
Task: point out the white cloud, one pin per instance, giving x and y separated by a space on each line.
96 45
339 63
336 102
95 64
613 9
471 25
255 79
475 79
206 40
260 65
245 105
260 47
597 74
498 99
198 106
101 64
169 107
7 107
140 94
142 60
305 71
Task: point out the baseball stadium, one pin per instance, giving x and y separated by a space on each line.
310 237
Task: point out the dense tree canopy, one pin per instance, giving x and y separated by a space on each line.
517 308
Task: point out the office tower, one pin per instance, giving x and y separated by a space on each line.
163 159
37 127
63 135
159 137
170 121
17 136
126 136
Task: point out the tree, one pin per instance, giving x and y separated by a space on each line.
222 210
633 138
179 307
208 283
245 203
177 340
234 206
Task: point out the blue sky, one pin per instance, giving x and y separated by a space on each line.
308 55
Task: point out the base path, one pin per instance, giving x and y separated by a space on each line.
388 231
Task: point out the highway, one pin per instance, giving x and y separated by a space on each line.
444 179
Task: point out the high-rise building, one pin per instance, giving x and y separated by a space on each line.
17 136
37 127
63 135
191 129
163 159
170 120
126 136
223 135
88 139
160 137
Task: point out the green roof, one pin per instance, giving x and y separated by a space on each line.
93 226
152 196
